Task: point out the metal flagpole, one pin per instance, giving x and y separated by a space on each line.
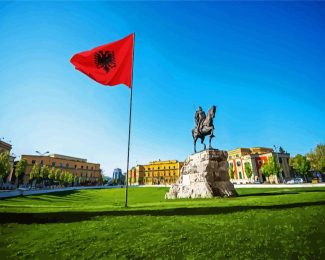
128 157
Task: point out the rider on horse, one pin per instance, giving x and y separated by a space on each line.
199 119
203 126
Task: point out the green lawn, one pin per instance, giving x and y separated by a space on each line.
91 224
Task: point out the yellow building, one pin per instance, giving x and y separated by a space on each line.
155 173
88 172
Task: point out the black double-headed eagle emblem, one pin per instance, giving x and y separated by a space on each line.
105 60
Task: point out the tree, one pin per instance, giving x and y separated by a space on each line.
68 177
57 175
231 171
271 167
248 170
301 165
21 169
34 173
317 158
51 175
76 180
71 178
62 177
4 166
44 173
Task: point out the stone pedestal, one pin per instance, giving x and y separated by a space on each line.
204 175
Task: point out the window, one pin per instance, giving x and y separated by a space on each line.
67 165
240 176
41 161
238 163
87 167
53 164
92 167
280 160
75 166
61 165
231 164
82 166
33 161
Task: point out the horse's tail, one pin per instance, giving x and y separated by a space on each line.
194 133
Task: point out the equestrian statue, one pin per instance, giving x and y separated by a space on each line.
203 126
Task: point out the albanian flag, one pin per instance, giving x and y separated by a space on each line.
109 64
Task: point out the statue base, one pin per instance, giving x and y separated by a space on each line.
204 175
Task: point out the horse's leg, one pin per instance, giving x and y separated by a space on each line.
202 142
194 135
211 136
195 139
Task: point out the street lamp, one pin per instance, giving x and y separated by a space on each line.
42 154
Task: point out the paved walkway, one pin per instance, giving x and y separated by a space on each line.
15 193
304 185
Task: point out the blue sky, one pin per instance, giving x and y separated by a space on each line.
261 63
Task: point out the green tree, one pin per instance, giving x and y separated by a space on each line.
70 179
317 158
34 173
51 175
271 167
4 166
76 180
21 169
44 173
301 165
57 175
248 170
231 171
62 177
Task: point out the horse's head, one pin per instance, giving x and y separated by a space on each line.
212 111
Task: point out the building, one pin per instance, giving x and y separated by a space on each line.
88 172
6 148
136 175
118 177
255 157
155 173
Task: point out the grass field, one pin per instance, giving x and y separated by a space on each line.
92 224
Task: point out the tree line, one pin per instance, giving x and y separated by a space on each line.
39 174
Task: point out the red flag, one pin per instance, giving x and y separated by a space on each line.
109 64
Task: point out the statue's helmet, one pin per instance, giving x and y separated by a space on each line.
199 109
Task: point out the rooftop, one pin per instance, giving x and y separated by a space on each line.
65 157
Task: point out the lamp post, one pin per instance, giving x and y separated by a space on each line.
42 154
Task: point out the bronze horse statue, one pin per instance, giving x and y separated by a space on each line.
204 126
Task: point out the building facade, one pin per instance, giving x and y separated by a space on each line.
118 177
88 172
254 158
155 173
